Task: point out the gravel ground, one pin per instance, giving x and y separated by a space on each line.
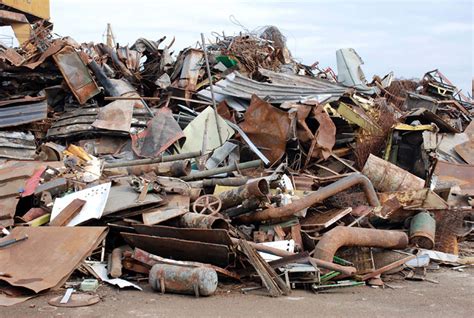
452 297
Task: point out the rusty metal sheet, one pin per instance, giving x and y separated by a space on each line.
324 220
466 151
115 116
161 132
446 175
215 236
325 136
180 249
267 127
387 177
76 74
192 65
49 256
10 54
415 199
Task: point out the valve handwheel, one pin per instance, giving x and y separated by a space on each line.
207 204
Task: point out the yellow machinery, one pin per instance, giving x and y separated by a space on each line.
21 14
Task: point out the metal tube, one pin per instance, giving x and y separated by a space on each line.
179 156
356 236
202 221
347 270
171 169
231 181
212 172
318 196
256 189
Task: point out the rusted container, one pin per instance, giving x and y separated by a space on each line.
387 177
422 230
198 281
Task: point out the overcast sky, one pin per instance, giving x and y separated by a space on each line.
407 37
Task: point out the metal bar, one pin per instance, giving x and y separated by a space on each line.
209 75
212 172
139 162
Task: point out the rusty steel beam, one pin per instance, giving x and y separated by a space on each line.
258 189
354 236
346 270
318 196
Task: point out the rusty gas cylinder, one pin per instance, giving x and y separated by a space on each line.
200 281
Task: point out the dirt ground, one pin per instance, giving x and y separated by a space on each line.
452 297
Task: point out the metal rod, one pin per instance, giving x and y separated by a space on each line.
209 75
212 172
139 162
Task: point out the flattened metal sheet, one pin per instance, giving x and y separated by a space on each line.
22 114
447 175
49 255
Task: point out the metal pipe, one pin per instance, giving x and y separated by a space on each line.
212 172
346 270
179 156
202 221
318 196
356 236
234 197
171 169
231 181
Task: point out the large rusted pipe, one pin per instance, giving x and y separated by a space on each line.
257 189
356 236
202 221
318 196
346 270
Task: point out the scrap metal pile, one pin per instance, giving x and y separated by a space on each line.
228 162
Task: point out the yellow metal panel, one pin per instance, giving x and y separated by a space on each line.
38 8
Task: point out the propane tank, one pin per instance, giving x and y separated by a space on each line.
200 281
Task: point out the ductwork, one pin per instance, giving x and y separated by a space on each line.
352 236
318 196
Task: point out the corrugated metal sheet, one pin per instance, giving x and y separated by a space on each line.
79 121
23 114
17 145
297 88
